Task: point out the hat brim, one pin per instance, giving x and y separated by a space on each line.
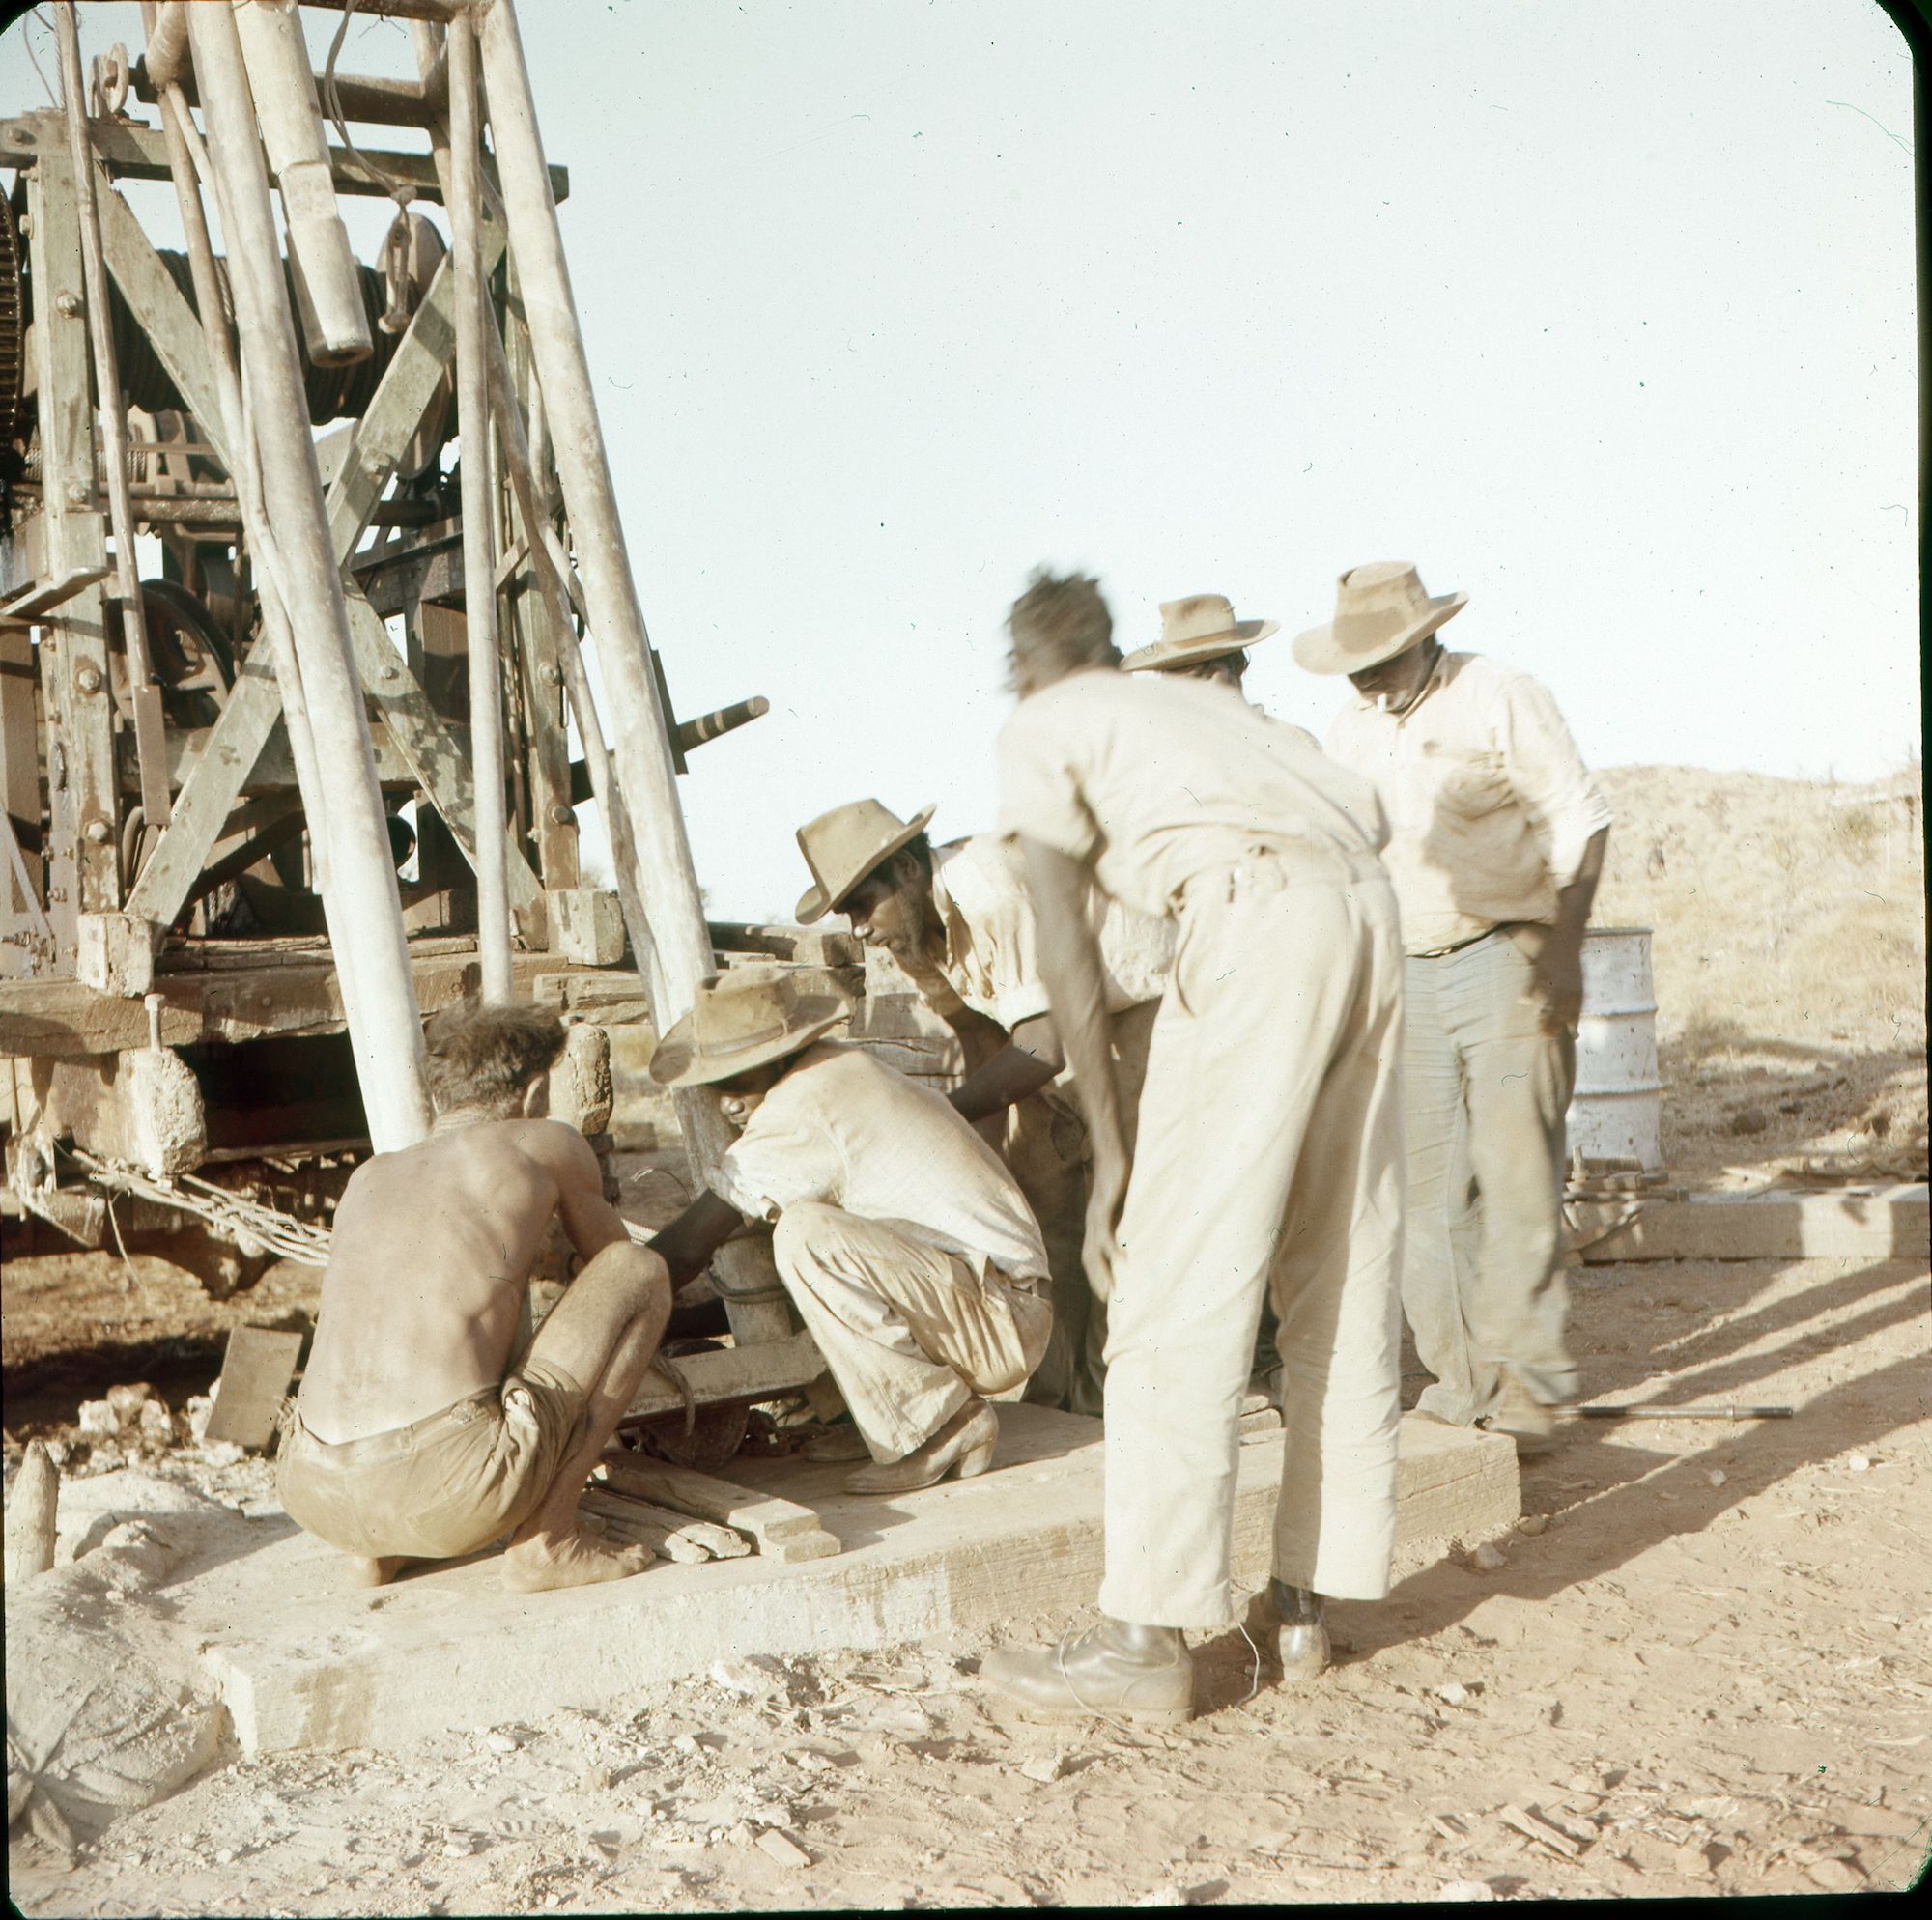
679 1062
815 903
1318 651
1164 656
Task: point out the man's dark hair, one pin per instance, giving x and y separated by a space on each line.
486 1055
1063 621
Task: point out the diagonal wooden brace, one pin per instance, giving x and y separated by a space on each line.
236 741
432 752
163 315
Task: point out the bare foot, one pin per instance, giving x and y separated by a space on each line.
570 1560
375 1572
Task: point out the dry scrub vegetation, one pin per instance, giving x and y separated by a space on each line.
1789 950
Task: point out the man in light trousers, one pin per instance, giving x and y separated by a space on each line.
1496 838
1271 1117
958 920
903 1243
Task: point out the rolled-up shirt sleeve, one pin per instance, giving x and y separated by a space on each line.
1549 776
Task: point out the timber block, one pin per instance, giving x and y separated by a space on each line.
1454 1483
162 1122
114 953
1892 1223
587 924
143 1105
580 1082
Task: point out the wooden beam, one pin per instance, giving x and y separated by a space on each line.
246 990
140 152
437 759
395 410
157 307
782 1528
83 850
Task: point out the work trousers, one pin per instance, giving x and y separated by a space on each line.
910 1333
1047 1151
1486 1091
1269 1155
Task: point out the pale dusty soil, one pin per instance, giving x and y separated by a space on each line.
1789 954
1715 1688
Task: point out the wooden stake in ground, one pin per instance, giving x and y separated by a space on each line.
30 1516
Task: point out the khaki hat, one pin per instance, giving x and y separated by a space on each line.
742 1019
841 847
1381 610
1202 627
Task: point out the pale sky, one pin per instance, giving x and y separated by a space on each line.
1603 315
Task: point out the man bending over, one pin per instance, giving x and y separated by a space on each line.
419 1433
903 1243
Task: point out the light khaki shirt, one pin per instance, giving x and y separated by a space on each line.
1154 778
845 1129
1490 805
992 938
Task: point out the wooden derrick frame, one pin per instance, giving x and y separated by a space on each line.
233 782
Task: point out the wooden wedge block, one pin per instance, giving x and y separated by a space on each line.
620 1523
815 1545
768 1520
719 1542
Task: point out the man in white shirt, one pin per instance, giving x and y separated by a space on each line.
1271 1112
1200 640
1497 840
905 1246
958 920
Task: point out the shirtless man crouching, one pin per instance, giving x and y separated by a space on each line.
418 1434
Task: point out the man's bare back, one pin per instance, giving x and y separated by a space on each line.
432 1253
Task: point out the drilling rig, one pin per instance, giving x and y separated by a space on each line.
274 799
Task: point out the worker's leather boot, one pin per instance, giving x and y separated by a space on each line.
1300 1633
1138 1672
1523 1417
963 1446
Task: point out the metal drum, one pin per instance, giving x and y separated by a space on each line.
1617 1106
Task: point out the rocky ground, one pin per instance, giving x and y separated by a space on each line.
1704 1664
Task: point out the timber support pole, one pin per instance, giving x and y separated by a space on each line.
361 903
474 318
641 749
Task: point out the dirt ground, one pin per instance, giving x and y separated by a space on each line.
1705 1661
1711 1668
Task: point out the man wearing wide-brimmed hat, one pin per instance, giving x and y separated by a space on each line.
1496 839
1201 638
902 1241
958 920
1271 1117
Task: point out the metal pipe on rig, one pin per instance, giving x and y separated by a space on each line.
474 318
361 902
329 286
150 723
